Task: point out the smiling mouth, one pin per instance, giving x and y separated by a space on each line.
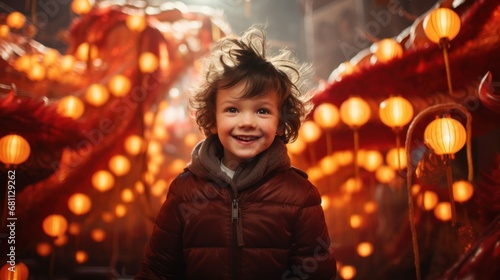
246 138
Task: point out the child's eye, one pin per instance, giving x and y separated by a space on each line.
231 110
263 111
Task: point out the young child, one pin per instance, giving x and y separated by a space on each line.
239 210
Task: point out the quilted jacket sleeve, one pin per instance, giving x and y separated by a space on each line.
163 255
311 255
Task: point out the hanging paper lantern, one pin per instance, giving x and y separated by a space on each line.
354 112
347 272
136 22
36 72
372 160
98 234
396 158
326 115
355 221
387 50
148 62
445 136
385 174
86 51
119 85
55 225
428 200
441 23
43 249
4 31
328 165
16 20
119 165
14 149
67 63
71 106
296 147
395 112
96 95
462 191
79 203
127 195
344 158
81 256
103 180
21 272
81 7
134 144
364 249
309 132
442 211
120 210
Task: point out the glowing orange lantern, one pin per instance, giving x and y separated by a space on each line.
14 149
81 7
441 23
136 22
373 160
442 211
79 203
119 85
445 136
133 144
120 210
364 249
96 95
428 200
385 174
71 106
395 112
328 165
396 158
347 272
81 256
462 191
354 112
296 147
20 273
16 20
98 234
103 180
50 57
74 228
36 72
387 50
43 249
148 62
86 52
67 63
326 115
127 195
119 165
4 31
55 225
309 132
355 221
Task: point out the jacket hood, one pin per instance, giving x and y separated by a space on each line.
206 158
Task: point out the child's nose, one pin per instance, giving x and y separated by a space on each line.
247 120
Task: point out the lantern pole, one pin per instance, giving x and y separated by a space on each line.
444 43
449 180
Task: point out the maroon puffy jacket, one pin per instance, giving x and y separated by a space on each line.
274 231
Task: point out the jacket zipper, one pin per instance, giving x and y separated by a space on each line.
234 220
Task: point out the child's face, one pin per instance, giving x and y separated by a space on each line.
246 127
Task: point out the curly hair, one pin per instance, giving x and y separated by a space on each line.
244 59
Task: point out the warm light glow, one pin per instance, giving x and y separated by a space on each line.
441 23
50 57
81 7
191 139
415 189
328 165
79 203
71 106
344 158
370 207
364 249
445 135
177 166
385 174
61 240
107 217
392 158
148 62
314 173
14 149
159 188
395 112
119 165
428 200
67 63
36 72
296 147
16 20
136 22
96 95
4 31
326 115
43 249
352 185
373 160
103 180
325 202
442 211
387 50
55 225
309 132
81 256
119 85
120 210
154 147
127 195
74 229
462 191
98 234
347 272
21 272
86 51
354 112
139 187
355 221
134 144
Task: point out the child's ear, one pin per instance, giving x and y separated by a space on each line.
213 130
281 129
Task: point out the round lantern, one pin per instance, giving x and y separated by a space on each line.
428 200
96 95
120 210
21 272
81 7
81 256
86 51
355 221
119 85
55 225
396 158
4 31
326 115
328 165
344 158
127 195
462 191
445 136
36 72
133 145
373 160
14 149
364 249
385 174
98 234
136 22
16 20
71 106
79 203
309 132
395 112
387 49
354 112
103 180
442 211
441 23
43 249
148 62
50 57
296 147
67 63
347 272
119 165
